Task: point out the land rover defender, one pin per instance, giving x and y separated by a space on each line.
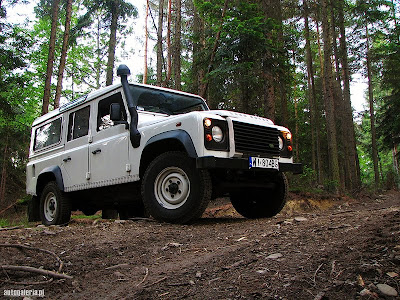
143 150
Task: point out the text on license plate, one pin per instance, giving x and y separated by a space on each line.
266 163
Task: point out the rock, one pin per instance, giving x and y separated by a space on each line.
120 221
392 274
274 256
198 274
48 232
300 219
387 290
119 274
367 292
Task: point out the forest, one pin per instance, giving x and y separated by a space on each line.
288 60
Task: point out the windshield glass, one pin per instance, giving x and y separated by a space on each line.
165 102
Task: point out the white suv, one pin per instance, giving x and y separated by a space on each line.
139 149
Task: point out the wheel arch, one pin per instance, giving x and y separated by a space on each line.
176 140
48 174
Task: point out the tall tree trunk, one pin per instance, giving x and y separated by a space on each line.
98 53
339 110
169 50
176 54
314 120
146 40
352 155
112 41
371 111
64 52
198 47
160 60
50 58
329 99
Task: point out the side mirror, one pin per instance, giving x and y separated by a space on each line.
115 112
116 115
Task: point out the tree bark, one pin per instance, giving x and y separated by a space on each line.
314 119
64 52
160 60
146 40
50 58
176 54
371 111
112 41
169 50
329 100
352 155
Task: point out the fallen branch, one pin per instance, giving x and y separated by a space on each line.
315 274
145 277
156 282
11 228
36 249
36 270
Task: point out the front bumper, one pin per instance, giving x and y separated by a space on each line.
211 162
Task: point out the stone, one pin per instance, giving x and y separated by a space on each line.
387 290
274 256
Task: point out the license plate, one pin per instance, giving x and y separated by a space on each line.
265 163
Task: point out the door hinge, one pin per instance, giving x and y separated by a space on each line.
87 175
128 167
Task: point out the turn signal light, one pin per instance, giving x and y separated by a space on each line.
290 148
207 123
208 137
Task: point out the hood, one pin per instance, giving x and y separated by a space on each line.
241 117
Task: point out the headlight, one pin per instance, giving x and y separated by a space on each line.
280 143
217 134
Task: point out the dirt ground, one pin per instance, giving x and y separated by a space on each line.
317 248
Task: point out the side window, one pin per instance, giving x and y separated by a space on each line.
78 123
103 118
48 134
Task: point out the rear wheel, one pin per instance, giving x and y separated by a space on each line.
261 203
55 206
174 190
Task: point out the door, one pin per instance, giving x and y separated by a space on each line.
75 161
109 149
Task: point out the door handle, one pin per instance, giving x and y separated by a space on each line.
96 151
67 159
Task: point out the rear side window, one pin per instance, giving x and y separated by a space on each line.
48 134
78 123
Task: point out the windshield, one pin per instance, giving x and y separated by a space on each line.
165 102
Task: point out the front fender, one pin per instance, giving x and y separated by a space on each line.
179 135
50 172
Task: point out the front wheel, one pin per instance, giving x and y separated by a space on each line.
174 190
260 202
55 206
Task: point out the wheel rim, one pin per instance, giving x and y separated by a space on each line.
50 207
172 188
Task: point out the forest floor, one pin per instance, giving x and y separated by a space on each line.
317 248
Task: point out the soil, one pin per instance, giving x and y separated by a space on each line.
317 248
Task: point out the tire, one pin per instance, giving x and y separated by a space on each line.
55 206
174 190
261 203
34 209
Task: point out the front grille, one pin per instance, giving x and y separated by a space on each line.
255 139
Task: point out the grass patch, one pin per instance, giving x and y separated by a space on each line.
93 217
